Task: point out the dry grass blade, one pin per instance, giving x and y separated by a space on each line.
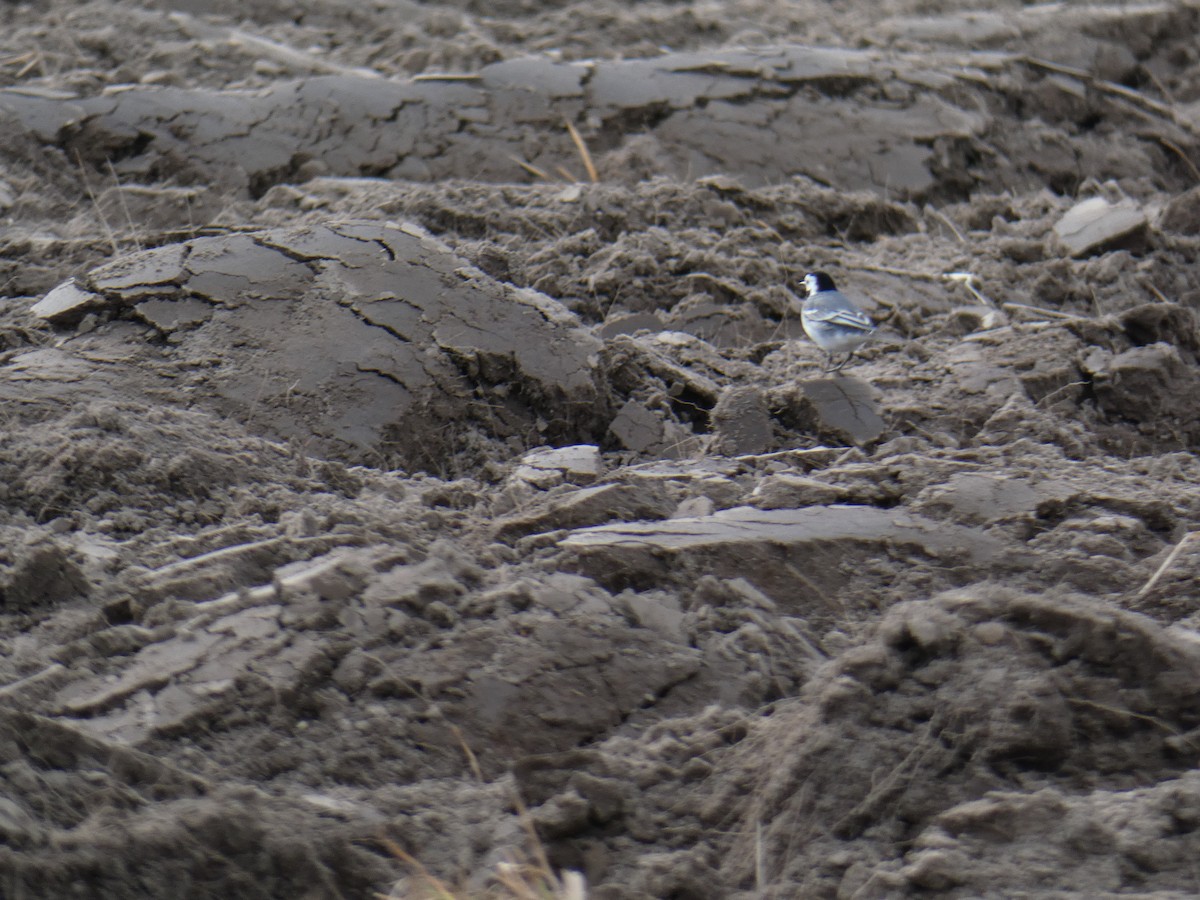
436 884
580 146
535 842
133 228
298 60
447 76
472 760
945 220
1036 310
760 859
902 273
27 61
108 231
221 553
1166 727
531 878
967 280
520 880
531 168
1128 94
1162 298
1166 564
1178 151
728 284
533 882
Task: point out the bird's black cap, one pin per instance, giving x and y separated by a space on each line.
822 281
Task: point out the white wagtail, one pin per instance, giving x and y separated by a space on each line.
834 323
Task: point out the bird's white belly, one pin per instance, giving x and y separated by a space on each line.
834 338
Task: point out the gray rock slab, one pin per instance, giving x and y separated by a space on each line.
803 555
631 324
763 114
973 28
844 407
360 340
981 499
547 466
1096 225
789 491
819 524
636 426
68 297
588 506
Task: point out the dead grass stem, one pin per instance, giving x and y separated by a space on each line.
584 155
1166 564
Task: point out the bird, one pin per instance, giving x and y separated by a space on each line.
833 322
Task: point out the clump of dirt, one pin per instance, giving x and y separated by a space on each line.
984 694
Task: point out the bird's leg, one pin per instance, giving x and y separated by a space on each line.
840 365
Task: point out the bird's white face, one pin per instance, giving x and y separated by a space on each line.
810 284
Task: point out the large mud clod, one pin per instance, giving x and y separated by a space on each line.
356 340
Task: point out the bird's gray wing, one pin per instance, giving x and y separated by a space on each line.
842 316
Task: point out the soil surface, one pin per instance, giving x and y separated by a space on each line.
414 468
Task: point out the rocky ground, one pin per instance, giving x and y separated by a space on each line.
413 467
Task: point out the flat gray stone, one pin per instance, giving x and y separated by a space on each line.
844 406
800 558
762 114
636 427
588 506
68 297
789 491
984 499
1095 225
811 525
547 466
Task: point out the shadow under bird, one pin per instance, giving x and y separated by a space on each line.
833 322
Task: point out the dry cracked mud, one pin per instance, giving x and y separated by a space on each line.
410 444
